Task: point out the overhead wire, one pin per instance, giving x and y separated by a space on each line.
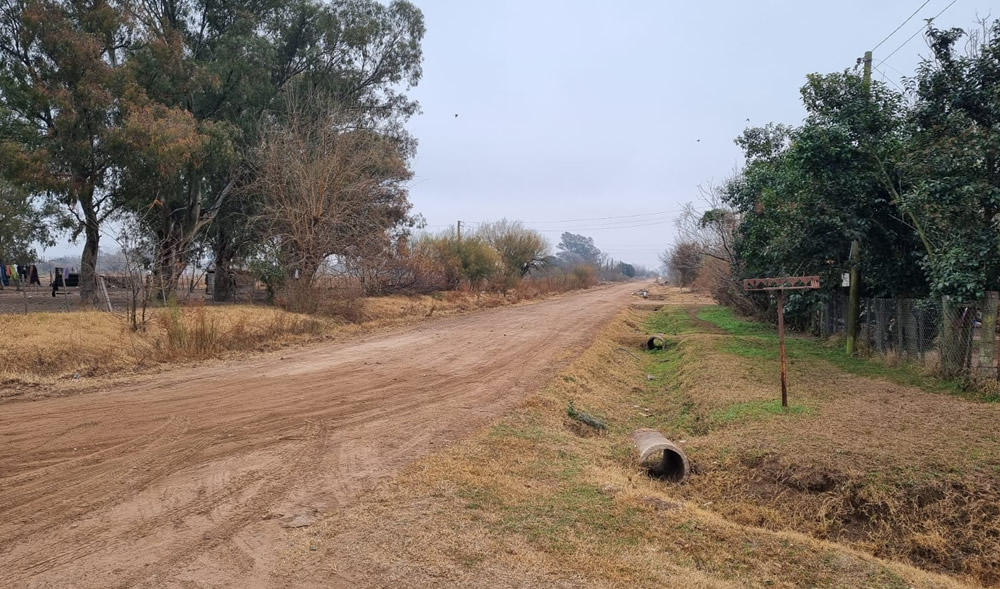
606 227
599 223
655 213
901 25
888 79
929 21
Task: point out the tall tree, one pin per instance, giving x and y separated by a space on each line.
954 163
217 69
806 193
60 105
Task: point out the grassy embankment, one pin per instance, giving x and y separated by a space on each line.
865 481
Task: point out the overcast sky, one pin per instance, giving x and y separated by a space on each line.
588 109
603 117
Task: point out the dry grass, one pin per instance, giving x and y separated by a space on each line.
52 346
533 502
893 470
49 347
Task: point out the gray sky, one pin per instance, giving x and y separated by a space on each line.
590 108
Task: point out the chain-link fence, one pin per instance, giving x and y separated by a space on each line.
953 338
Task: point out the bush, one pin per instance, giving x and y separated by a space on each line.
470 260
584 275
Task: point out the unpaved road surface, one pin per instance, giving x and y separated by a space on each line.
196 478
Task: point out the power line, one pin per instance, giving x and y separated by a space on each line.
603 218
890 80
929 21
658 218
894 31
889 65
602 228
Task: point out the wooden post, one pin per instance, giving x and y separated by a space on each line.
104 290
781 346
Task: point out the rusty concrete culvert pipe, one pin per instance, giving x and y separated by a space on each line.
663 458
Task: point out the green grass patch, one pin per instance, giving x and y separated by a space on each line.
760 341
757 410
726 320
670 409
748 347
670 320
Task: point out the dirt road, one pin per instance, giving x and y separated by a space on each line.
195 478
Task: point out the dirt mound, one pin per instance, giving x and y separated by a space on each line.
947 525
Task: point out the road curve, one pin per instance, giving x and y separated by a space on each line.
194 477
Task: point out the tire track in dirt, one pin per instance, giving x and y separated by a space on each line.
179 480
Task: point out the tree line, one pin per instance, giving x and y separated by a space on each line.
265 137
177 116
901 183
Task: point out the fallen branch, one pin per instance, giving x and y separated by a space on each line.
629 353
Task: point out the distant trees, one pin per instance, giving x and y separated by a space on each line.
578 249
500 253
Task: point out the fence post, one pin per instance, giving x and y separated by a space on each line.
899 330
881 323
910 336
988 334
954 347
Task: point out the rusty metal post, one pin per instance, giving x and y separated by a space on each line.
779 285
781 346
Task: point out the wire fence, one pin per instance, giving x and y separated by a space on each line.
955 339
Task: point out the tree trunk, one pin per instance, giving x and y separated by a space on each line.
221 290
91 247
169 267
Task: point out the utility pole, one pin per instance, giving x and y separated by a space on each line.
460 232
854 295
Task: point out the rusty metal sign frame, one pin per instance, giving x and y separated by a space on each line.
779 286
783 283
